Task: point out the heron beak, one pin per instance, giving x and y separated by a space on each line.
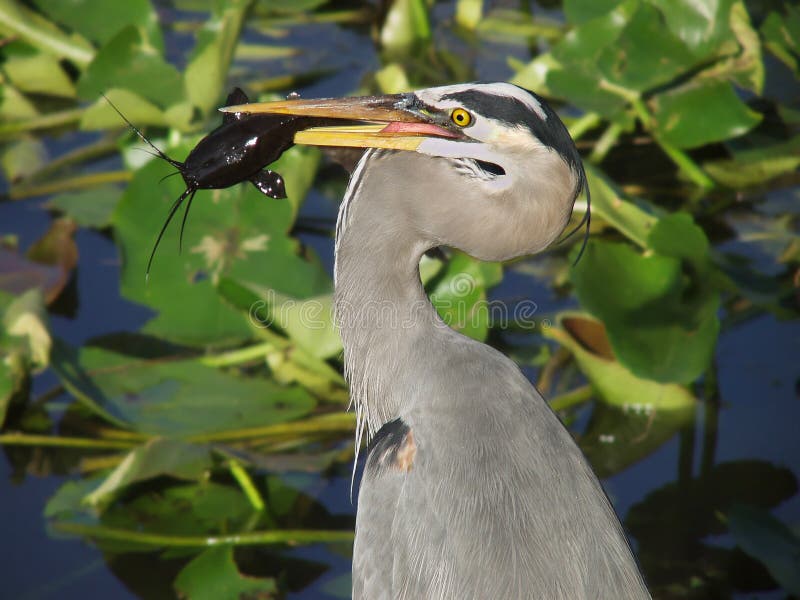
394 121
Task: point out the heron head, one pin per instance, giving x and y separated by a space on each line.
493 172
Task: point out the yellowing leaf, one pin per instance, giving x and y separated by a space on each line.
26 317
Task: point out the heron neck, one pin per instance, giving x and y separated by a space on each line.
382 310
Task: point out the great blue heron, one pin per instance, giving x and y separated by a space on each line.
472 486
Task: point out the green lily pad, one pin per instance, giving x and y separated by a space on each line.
36 72
200 509
309 322
186 509
128 61
318 377
88 208
14 105
580 11
65 363
174 398
533 75
236 233
584 43
19 21
101 115
99 20
67 503
587 339
701 113
662 324
577 76
185 398
704 27
214 574
646 54
580 86
157 457
677 235
782 36
312 337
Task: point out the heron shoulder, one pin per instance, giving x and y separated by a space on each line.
392 448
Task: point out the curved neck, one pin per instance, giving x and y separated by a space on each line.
382 310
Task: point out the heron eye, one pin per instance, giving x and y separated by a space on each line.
461 117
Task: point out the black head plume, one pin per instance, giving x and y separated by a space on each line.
586 220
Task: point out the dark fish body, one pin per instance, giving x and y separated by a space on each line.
240 148
236 151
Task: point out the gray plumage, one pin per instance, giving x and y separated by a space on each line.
473 489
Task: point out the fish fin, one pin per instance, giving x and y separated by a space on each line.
270 184
237 96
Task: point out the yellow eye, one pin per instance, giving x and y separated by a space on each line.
461 117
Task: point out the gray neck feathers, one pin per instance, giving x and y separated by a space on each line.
381 307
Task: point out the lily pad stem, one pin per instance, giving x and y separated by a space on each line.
245 482
582 125
292 537
24 439
682 160
606 142
69 184
572 398
240 356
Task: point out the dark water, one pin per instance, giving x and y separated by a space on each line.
757 361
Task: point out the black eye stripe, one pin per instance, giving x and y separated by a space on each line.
551 131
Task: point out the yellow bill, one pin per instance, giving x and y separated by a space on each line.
394 122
